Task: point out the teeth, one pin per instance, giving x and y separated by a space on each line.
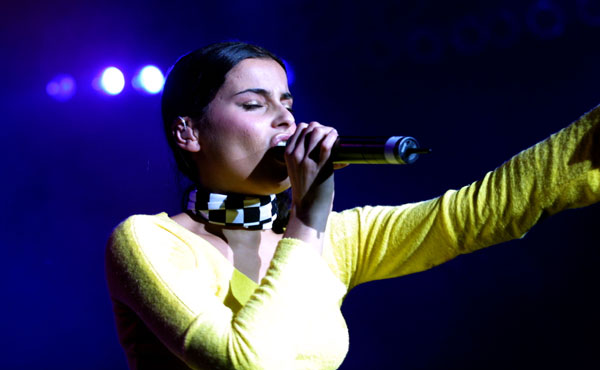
281 143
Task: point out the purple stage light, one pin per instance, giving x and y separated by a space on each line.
61 87
149 80
290 72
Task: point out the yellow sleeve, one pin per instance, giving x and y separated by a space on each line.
175 300
558 173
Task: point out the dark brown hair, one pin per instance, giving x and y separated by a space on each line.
192 83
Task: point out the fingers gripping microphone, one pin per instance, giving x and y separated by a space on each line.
373 150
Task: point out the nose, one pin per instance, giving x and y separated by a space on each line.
284 119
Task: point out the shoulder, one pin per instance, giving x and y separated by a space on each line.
133 224
153 250
152 239
151 261
138 230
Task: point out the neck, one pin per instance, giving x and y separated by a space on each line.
250 251
236 237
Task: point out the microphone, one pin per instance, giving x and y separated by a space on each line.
371 150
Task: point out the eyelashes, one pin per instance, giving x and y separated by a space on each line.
251 106
254 106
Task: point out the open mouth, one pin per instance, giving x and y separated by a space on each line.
277 152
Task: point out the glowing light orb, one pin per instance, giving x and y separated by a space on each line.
112 81
61 87
149 80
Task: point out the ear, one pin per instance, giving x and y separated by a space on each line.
184 134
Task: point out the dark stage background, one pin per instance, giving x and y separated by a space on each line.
476 81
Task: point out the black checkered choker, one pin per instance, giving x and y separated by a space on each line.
254 212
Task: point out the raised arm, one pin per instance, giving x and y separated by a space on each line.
558 173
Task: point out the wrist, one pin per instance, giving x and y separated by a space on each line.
310 217
309 232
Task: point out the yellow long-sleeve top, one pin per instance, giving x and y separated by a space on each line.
180 304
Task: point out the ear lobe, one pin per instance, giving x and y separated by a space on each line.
185 136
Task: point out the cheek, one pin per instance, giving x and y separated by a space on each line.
252 138
235 131
240 144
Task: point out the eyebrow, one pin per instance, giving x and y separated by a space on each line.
263 92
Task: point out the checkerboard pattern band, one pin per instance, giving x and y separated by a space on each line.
250 212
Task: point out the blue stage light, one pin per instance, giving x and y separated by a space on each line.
61 87
504 29
546 20
111 81
149 80
425 46
589 11
290 72
470 36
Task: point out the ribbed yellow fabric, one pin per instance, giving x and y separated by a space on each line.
172 291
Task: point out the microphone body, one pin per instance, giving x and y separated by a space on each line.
372 150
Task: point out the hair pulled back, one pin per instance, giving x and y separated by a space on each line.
192 83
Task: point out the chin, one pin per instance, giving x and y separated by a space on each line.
284 186
283 182
271 177
274 187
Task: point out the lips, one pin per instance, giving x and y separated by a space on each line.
278 139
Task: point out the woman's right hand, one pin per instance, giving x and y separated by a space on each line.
311 177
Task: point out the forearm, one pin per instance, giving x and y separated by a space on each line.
560 172
311 177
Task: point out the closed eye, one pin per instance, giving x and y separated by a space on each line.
251 106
